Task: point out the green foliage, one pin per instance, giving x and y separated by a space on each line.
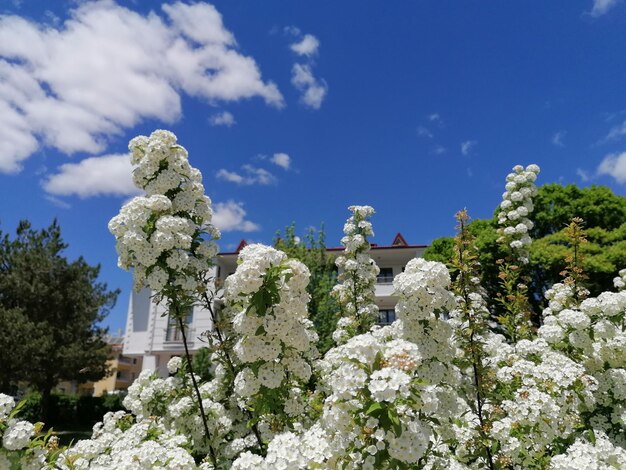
604 216
19 338
312 252
70 411
50 309
556 206
31 406
202 364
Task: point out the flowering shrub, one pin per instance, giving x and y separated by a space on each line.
357 279
276 342
515 208
165 236
594 335
441 387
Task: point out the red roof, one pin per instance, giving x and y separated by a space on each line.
398 242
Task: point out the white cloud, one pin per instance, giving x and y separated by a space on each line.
616 132
614 165
438 150
308 46
558 138
292 30
57 202
600 7
282 160
107 68
424 132
95 176
223 119
583 175
466 147
251 175
231 216
229 176
436 118
313 90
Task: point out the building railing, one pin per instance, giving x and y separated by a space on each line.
126 360
124 377
174 335
384 279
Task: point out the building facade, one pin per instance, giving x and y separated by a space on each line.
155 338
124 370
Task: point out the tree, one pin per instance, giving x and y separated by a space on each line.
323 309
604 218
50 310
18 340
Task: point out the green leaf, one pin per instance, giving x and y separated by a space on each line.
251 423
373 408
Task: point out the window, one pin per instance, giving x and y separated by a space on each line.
123 376
385 276
173 333
386 316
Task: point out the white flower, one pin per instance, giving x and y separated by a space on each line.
157 227
7 403
355 291
515 207
18 434
174 364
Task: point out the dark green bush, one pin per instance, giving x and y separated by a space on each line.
71 410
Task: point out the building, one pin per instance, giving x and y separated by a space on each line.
155 338
124 370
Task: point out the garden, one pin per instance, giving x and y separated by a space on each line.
461 380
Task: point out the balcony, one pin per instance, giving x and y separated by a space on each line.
385 276
174 334
126 360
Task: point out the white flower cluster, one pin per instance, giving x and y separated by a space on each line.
166 236
7 403
357 277
380 399
423 302
597 455
174 364
268 299
620 281
515 208
423 291
563 296
119 443
594 334
164 430
383 388
542 394
18 434
377 410
290 451
18 447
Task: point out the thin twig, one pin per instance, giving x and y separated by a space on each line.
195 386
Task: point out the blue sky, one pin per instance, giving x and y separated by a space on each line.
295 110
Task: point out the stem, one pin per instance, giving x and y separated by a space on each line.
195 386
209 305
476 360
575 273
